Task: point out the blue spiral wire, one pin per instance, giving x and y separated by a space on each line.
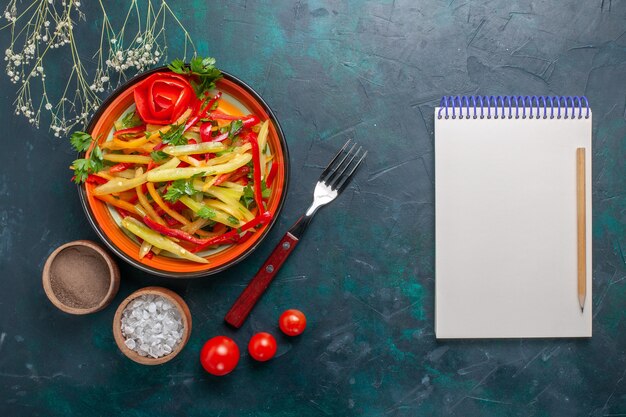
467 107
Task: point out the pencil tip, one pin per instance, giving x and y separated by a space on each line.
582 309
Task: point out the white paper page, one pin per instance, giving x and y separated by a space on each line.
506 237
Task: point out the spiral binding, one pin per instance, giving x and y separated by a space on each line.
481 107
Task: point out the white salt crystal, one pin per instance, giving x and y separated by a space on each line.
155 325
130 343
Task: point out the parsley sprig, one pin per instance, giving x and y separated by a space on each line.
158 156
247 199
82 167
178 189
175 136
206 213
131 119
203 72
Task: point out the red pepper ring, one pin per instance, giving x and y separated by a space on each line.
234 235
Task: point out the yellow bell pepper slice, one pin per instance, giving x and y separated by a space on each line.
159 241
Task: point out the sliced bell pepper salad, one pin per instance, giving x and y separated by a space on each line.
178 175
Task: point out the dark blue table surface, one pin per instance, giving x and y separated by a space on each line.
364 274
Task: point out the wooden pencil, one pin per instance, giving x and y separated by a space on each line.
581 226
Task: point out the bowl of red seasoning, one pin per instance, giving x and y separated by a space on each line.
183 170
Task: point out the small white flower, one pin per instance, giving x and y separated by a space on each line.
46 23
48 106
104 79
113 41
40 68
139 39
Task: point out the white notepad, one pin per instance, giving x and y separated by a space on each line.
506 219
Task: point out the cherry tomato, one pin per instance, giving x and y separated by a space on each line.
292 322
219 355
262 346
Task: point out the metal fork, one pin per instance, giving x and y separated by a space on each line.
331 183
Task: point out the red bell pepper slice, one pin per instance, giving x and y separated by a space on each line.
122 166
122 212
233 236
167 231
94 179
271 174
256 162
202 111
133 130
248 121
159 146
206 134
232 176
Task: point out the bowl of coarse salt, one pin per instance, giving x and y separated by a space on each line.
152 325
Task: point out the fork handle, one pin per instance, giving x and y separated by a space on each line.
255 289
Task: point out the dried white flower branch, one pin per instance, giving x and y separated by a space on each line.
46 25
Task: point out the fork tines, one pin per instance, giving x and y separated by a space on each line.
339 171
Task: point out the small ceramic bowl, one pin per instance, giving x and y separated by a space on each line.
80 277
106 222
185 315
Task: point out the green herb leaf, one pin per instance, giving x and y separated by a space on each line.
225 151
233 220
206 212
247 199
96 162
178 189
234 128
158 156
80 141
177 66
265 192
85 166
131 119
203 71
174 136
